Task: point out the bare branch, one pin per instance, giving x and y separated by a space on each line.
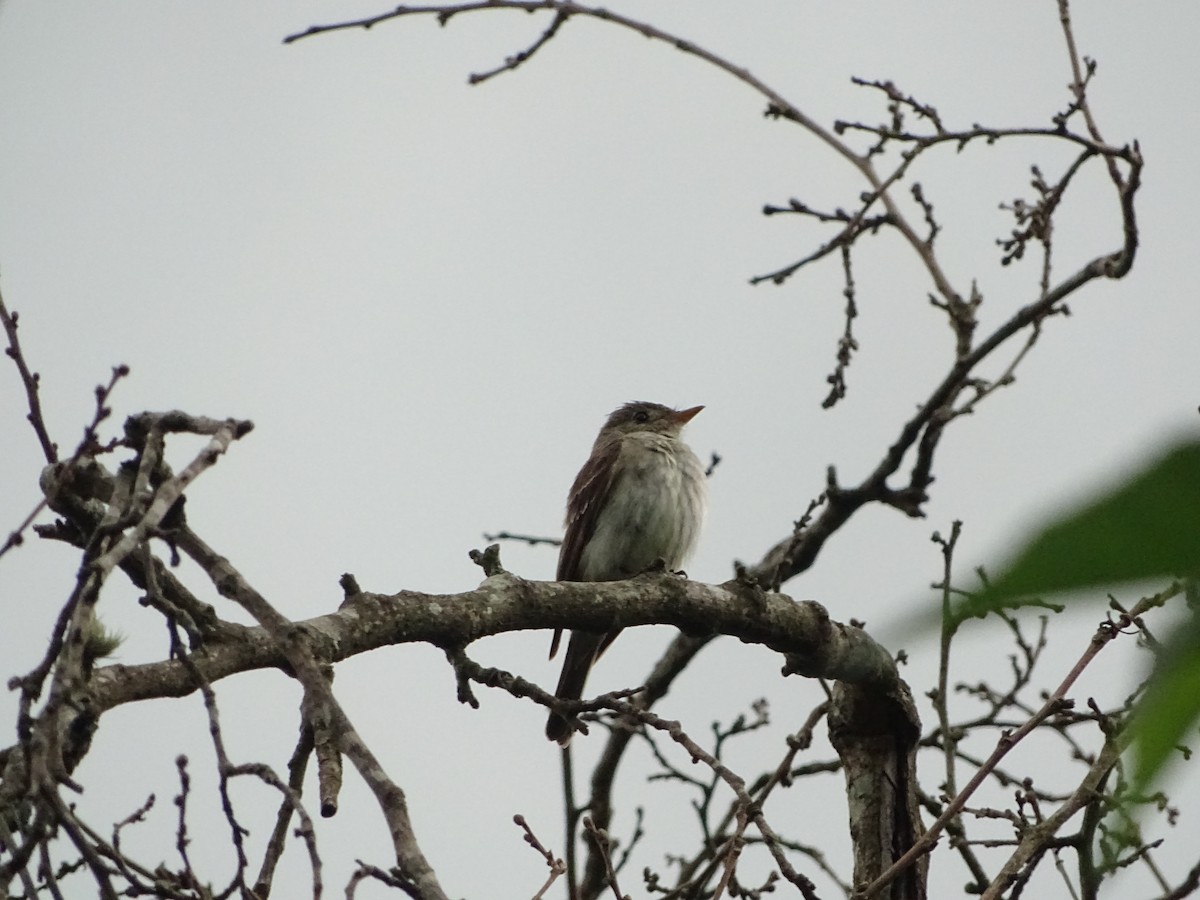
31 382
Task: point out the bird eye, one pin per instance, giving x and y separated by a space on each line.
641 416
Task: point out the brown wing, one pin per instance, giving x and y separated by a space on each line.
584 504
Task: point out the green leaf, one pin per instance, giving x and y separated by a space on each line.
1167 715
1147 527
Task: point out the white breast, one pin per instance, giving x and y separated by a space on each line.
655 510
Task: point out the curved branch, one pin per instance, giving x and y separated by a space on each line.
777 105
791 556
814 644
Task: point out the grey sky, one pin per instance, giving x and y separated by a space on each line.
427 297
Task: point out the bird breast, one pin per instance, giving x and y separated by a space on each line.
655 510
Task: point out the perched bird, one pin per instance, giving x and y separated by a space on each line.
640 497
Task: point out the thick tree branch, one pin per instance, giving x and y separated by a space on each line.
815 644
875 734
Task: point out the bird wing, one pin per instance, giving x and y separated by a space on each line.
584 505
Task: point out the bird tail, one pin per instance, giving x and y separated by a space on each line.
582 651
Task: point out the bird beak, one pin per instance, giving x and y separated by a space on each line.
684 416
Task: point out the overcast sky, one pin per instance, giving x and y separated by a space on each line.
427 296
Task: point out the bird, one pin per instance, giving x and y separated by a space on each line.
640 497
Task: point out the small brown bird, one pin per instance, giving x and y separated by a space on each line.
639 497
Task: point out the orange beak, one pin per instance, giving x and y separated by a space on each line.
684 416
